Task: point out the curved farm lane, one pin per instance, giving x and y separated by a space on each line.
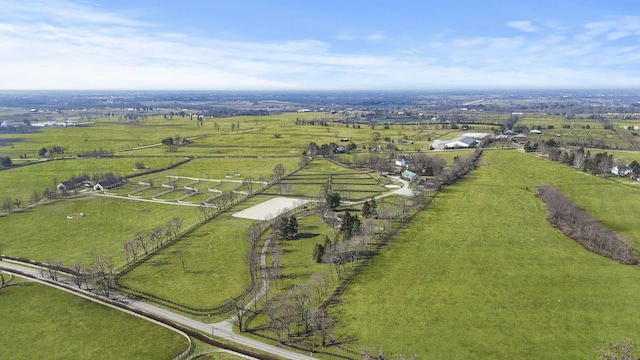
221 330
404 191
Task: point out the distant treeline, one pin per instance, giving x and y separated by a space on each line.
581 227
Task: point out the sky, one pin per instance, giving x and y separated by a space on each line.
430 45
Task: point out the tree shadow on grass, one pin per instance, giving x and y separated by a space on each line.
158 262
303 236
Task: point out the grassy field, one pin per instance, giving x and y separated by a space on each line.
43 323
482 274
21 182
45 232
215 264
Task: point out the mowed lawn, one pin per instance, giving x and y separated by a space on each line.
38 322
481 274
45 232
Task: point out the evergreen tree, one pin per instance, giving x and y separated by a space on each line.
318 253
366 209
374 208
333 200
292 227
288 227
347 225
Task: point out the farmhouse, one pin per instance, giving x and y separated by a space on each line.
410 176
402 162
107 184
621 171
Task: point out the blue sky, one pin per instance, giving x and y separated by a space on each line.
319 45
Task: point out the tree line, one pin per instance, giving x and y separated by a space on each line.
581 227
154 239
596 164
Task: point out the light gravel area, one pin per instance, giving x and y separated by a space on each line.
270 208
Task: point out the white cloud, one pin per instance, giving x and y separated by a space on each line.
524 26
373 37
41 47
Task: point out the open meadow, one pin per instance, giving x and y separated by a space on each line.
45 233
482 274
40 322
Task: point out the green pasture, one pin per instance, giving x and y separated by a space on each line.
298 265
114 135
201 197
45 232
22 182
144 192
39 322
215 263
106 136
220 168
175 195
482 274
298 188
204 185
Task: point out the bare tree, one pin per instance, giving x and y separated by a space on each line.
168 231
240 312
52 268
302 300
49 194
249 183
321 283
35 197
255 235
142 241
7 205
579 158
78 274
102 271
275 264
177 225
127 251
278 173
320 321
155 236
253 260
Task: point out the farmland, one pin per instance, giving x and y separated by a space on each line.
482 273
63 326
474 272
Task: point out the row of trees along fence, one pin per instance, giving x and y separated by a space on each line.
581 227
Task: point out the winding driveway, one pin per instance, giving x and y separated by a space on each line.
223 330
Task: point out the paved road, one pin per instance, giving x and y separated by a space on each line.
223 330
